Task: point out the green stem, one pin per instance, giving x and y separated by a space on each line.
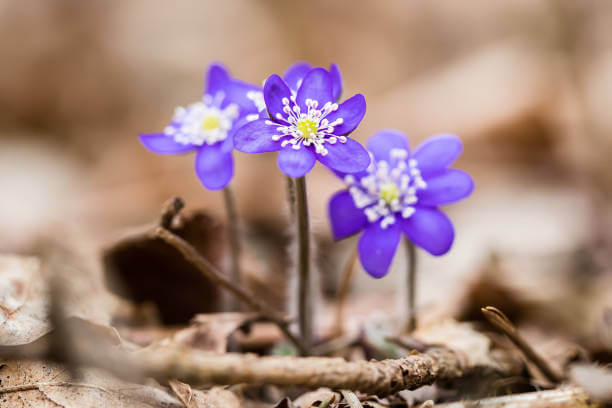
234 237
411 320
304 278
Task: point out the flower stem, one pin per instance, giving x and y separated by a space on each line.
345 285
234 240
291 196
304 278
411 320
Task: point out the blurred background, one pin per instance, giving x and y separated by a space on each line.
527 86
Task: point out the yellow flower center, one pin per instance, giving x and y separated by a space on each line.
210 123
389 192
307 127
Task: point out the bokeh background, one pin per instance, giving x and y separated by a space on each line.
526 84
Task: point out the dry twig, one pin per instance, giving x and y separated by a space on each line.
498 319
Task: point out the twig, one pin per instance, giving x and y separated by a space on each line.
234 234
304 279
564 397
345 285
192 255
498 319
411 320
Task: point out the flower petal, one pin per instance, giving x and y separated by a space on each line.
336 77
163 144
216 78
296 163
317 85
349 157
256 137
344 217
275 89
382 142
351 111
213 167
236 92
447 187
294 75
430 229
377 247
437 152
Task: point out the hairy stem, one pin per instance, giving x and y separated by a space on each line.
234 237
411 319
303 264
345 285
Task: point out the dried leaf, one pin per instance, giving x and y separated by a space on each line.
23 304
39 384
285 403
351 399
213 398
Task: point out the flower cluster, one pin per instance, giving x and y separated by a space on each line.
390 192
399 193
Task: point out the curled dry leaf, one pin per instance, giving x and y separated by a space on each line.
213 398
210 332
23 301
40 384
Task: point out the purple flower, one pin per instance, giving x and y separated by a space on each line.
208 127
400 193
305 124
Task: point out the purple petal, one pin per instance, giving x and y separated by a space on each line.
377 247
294 75
256 137
430 229
163 144
336 78
296 163
437 152
317 85
351 111
447 187
236 92
382 142
216 78
345 218
275 89
213 167
349 157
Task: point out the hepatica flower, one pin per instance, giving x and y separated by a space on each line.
399 193
207 126
305 124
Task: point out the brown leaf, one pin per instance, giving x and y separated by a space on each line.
213 398
209 331
23 304
40 384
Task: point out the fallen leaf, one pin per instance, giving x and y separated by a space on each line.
595 380
40 384
214 398
317 398
23 301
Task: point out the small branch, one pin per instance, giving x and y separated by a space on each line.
345 286
501 322
303 264
192 255
411 319
234 234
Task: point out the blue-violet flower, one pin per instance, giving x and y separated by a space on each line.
305 124
208 126
399 193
